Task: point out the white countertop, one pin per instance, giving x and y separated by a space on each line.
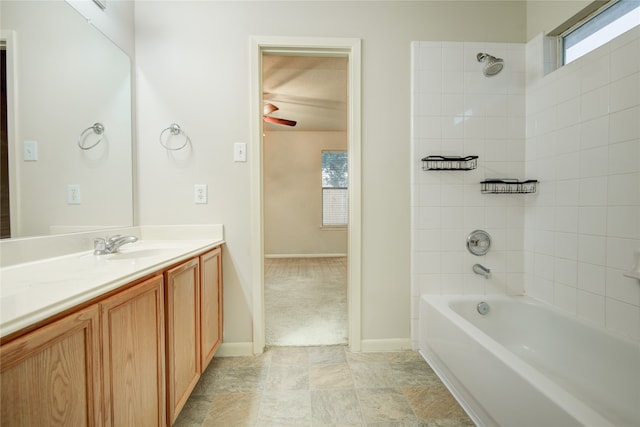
34 291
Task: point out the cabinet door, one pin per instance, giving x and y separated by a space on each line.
210 304
134 356
52 376
183 334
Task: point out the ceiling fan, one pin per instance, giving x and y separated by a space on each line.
270 108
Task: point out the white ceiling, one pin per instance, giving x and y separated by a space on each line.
311 90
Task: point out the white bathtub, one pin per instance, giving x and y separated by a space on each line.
526 364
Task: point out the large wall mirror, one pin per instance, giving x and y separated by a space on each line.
63 76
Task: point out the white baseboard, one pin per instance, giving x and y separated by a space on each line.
235 349
304 255
393 344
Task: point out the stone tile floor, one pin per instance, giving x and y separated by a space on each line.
322 386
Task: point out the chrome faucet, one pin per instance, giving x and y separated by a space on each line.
482 270
111 244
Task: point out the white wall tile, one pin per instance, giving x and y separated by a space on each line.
591 278
566 271
623 318
623 221
566 245
624 189
625 60
594 73
592 220
622 288
452 127
569 87
543 266
620 252
453 82
569 112
592 249
429 104
595 103
567 192
605 191
593 191
624 157
625 93
566 166
565 220
452 104
594 133
624 125
594 162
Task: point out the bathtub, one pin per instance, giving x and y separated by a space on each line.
526 364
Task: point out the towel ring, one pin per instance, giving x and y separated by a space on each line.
98 129
174 129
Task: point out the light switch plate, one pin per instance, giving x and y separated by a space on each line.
240 152
30 151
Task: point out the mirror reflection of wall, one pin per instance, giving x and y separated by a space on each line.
64 76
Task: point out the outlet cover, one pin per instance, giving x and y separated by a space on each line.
73 194
200 193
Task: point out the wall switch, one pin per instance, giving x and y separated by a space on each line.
73 194
200 193
240 152
30 151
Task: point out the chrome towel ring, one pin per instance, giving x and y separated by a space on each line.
174 129
98 129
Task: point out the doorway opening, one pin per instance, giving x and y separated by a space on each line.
305 205
264 145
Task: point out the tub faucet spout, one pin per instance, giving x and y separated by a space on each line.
482 270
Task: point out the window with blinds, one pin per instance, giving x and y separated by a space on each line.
335 188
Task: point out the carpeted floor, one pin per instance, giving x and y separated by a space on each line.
306 301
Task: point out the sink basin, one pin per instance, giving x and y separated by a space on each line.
136 254
142 251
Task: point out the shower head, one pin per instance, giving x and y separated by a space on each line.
492 64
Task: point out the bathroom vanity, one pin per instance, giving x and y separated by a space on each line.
127 348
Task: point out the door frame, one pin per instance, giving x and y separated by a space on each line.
350 48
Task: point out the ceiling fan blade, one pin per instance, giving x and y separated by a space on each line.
279 121
269 108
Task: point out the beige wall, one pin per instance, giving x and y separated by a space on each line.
193 68
293 194
544 16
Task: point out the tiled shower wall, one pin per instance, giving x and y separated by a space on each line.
583 144
576 130
458 111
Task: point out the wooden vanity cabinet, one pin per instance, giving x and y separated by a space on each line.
51 376
182 284
193 295
133 345
210 305
131 358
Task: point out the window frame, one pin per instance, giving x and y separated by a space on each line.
324 187
591 24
